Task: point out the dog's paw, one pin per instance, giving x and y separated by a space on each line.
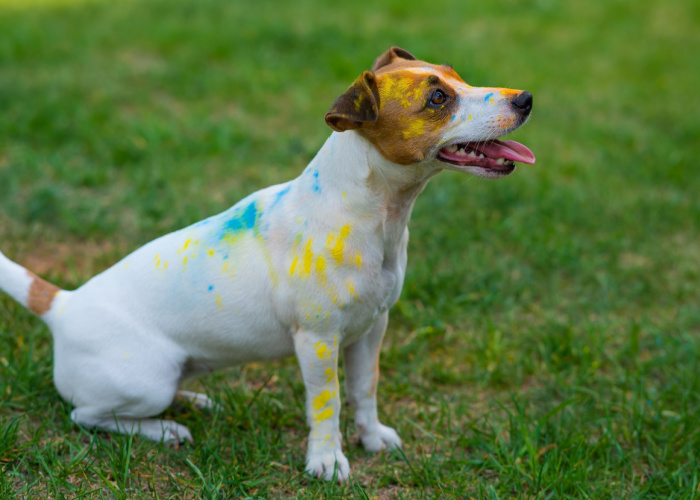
200 401
165 430
384 437
325 464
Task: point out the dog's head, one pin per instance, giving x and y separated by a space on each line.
416 112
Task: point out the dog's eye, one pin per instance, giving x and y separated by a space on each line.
438 98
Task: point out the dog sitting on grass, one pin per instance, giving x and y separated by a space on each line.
307 268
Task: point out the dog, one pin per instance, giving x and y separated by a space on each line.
307 268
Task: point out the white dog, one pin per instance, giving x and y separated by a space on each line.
309 267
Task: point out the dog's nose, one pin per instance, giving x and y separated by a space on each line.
523 102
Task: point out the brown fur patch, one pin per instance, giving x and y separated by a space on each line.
407 128
41 295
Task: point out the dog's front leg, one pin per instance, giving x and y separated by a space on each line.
361 361
318 358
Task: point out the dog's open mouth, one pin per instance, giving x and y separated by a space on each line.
493 155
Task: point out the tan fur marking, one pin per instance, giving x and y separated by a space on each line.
405 129
41 294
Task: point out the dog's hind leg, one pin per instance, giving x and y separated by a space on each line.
151 428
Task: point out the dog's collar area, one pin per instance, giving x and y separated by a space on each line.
493 155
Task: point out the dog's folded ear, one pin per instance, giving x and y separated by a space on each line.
390 56
357 106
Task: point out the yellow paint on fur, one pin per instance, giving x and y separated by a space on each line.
293 267
415 128
211 253
358 259
308 257
329 374
339 247
324 415
165 266
218 301
187 243
322 399
321 351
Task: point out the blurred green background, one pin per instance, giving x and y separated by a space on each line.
547 340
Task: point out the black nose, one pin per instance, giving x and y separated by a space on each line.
523 102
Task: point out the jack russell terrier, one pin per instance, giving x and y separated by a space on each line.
307 268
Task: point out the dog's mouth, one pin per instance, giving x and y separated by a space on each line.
495 156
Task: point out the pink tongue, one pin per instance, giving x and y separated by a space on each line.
510 150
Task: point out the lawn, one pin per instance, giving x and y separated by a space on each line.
547 340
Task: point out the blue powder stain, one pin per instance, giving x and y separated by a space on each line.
279 196
488 96
211 287
453 118
242 221
315 186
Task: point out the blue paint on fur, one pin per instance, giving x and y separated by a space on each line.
315 185
488 96
279 196
211 287
242 220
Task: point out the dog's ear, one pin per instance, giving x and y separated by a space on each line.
390 56
357 106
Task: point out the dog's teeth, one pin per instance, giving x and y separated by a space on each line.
481 155
501 161
451 149
461 152
471 153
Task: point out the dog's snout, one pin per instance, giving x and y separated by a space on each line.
523 102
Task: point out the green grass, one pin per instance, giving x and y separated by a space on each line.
547 341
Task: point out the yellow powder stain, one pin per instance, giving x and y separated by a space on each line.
328 436
470 117
318 343
293 267
187 243
329 374
211 253
321 268
337 250
321 351
415 128
218 301
358 259
324 415
165 266
322 399
308 257
225 267
126 264
184 261
358 102
395 89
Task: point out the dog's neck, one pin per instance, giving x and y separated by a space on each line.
358 184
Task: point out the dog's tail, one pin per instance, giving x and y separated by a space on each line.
26 287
